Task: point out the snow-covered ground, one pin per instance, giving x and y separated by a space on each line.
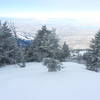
33 82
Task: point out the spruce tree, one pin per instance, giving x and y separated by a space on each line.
92 57
21 49
65 51
45 44
9 51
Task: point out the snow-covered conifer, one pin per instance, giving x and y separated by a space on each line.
92 57
52 64
45 44
9 50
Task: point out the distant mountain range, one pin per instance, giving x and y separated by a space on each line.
24 43
76 33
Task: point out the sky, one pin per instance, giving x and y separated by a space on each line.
82 13
45 9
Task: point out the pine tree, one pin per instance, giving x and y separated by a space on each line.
93 55
45 44
65 51
21 49
9 51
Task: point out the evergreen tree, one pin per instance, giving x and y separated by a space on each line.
45 44
65 51
21 49
9 51
52 64
92 57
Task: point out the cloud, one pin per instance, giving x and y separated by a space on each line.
47 15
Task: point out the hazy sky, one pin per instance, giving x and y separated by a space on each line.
44 9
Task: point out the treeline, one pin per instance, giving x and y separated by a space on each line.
44 45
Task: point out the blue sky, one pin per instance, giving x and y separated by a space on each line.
50 8
49 5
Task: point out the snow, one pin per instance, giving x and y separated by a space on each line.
33 82
82 52
25 36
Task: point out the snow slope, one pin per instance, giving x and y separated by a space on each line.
74 82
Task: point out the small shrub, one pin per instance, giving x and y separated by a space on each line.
52 64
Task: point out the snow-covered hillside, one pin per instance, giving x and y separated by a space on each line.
33 82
